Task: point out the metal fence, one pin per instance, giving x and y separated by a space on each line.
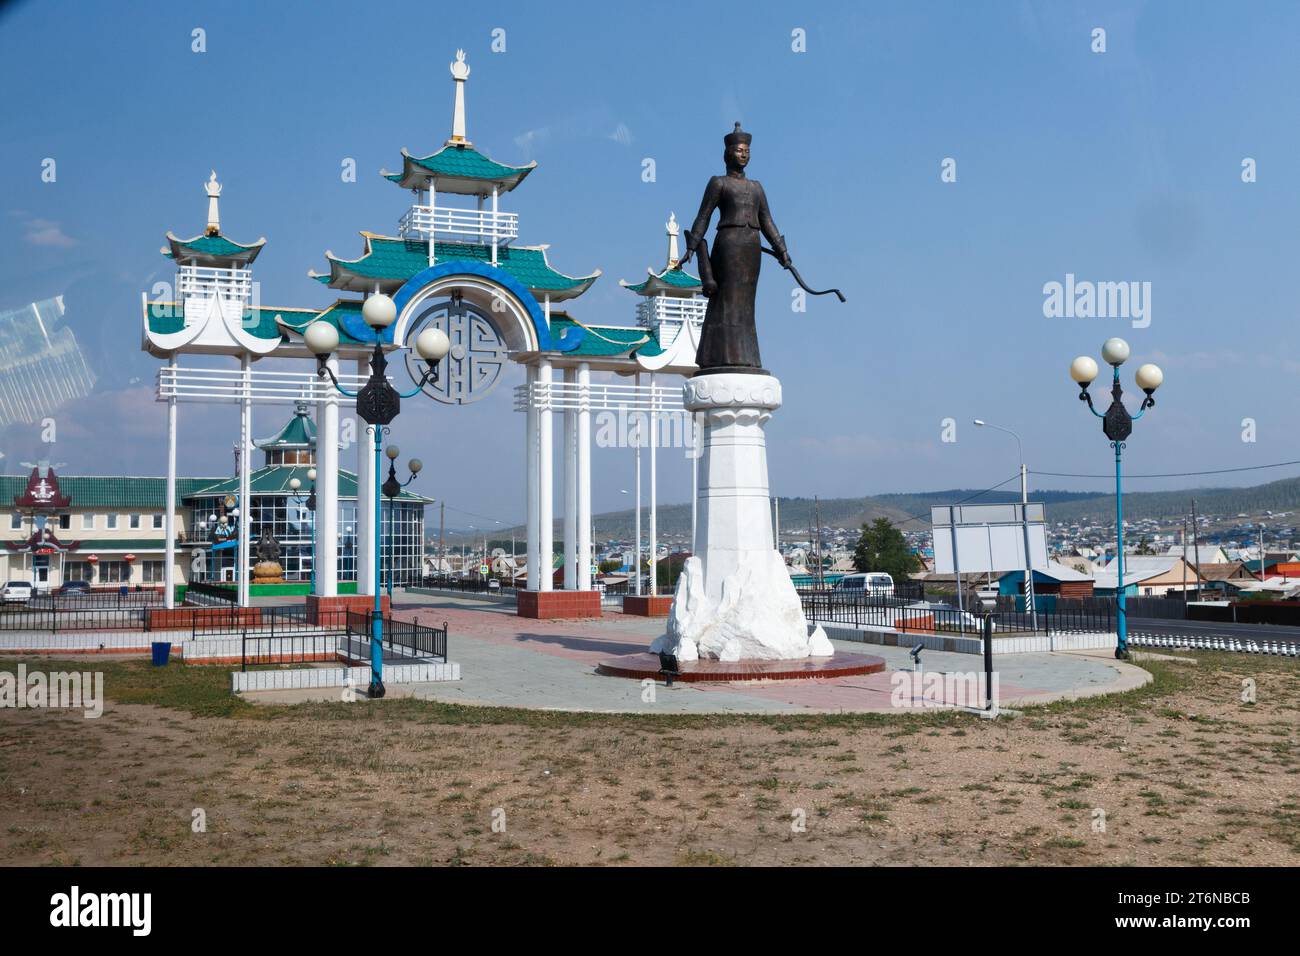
201 592
55 617
829 607
266 649
415 640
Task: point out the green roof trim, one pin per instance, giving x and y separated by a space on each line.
265 322
392 260
602 340
666 281
124 494
107 492
458 162
274 479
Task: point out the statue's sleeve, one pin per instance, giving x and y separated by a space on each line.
712 193
765 223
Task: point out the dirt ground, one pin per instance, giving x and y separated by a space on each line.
1183 770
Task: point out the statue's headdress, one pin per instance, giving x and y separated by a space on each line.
737 136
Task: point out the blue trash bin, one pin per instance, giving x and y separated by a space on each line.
161 651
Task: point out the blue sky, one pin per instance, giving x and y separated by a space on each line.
1119 166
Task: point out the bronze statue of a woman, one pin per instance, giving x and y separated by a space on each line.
729 272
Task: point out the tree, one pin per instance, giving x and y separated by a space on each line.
882 547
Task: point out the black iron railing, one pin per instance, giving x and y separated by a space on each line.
257 649
405 637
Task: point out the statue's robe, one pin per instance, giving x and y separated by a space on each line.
729 338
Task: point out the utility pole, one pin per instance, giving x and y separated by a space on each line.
1196 546
1184 565
442 529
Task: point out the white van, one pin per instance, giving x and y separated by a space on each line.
871 583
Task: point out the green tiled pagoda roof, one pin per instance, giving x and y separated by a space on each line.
667 279
298 432
602 340
212 249
476 172
393 261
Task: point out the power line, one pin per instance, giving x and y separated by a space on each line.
1171 474
978 494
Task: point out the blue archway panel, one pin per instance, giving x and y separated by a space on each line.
412 286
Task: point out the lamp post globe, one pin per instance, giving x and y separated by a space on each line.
311 474
415 466
1084 370
294 484
1150 377
1115 351
392 451
432 344
379 311
321 338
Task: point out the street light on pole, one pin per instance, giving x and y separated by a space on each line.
391 489
378 403
310 505
1117 425
1030 604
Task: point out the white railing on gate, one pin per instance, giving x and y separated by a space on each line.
614 396
482 224
230 385
204 282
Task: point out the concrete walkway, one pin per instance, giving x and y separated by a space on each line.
515 662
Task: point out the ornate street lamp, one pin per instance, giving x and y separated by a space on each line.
1117 424
391 489
310 505
378 403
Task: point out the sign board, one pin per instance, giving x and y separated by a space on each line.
987 539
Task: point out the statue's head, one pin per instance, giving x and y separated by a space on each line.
736 154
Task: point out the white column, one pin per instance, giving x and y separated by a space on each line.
640 434
584 477
530 457
654 516
169 519
546 506
327 488
570 446
695 475
365 499
494 224
245 466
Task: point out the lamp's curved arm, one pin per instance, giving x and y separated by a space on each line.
322 369
430 375
1085 396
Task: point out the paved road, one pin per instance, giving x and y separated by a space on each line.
1273 633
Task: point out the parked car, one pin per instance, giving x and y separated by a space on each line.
74 587
17 592
494 585
871 583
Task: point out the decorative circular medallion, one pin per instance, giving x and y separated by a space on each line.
477 357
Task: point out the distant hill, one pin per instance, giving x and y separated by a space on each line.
903 508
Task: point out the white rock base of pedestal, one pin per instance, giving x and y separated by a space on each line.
758 616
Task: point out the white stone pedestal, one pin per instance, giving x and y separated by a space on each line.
734 600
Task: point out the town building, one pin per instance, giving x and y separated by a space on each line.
111 530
